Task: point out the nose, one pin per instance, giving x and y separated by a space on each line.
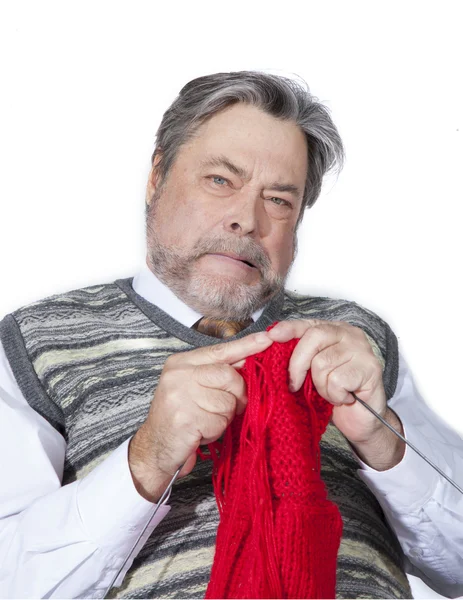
242 217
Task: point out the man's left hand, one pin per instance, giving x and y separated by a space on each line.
342 361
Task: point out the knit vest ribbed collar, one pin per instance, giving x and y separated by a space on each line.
271 314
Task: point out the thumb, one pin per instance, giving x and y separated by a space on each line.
188 465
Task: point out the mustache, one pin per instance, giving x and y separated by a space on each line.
241 246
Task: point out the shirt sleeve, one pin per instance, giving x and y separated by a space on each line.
61 541
424 510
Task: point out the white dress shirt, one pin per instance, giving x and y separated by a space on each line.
69 541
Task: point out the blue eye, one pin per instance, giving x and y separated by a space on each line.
215 177
280 201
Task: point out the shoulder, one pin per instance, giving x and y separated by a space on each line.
93 297
333 309
74 308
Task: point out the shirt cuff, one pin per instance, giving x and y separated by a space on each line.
411 483
112 511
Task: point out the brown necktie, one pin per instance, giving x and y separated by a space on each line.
220 328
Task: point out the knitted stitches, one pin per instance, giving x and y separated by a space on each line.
278 535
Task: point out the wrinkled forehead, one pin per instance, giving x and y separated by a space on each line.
252 139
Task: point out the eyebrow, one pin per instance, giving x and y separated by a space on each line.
223 161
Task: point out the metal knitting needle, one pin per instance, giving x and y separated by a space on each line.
166 494
401 437
162 500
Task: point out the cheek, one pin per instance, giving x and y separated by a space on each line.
180 221
282 252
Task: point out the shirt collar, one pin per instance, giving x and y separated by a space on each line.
152 289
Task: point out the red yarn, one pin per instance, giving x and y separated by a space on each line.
278 535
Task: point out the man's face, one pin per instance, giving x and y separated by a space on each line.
235 188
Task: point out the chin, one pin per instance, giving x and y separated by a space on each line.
224 297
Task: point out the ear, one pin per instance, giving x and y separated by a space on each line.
153 178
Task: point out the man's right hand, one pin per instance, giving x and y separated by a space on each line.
198 394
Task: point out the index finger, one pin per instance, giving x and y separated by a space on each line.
230 352
296 328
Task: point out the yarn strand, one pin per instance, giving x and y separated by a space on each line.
278 535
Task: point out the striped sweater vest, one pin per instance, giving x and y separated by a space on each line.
89 361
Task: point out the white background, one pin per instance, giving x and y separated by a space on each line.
84 86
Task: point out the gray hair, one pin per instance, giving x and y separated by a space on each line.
278 96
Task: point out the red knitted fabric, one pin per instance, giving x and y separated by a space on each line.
278 535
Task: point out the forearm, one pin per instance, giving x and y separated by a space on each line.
149 481
384 450
423 509
71 542
45 552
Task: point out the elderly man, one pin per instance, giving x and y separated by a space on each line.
106 391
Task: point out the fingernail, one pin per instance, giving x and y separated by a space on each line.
239 364
292 385
242 407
